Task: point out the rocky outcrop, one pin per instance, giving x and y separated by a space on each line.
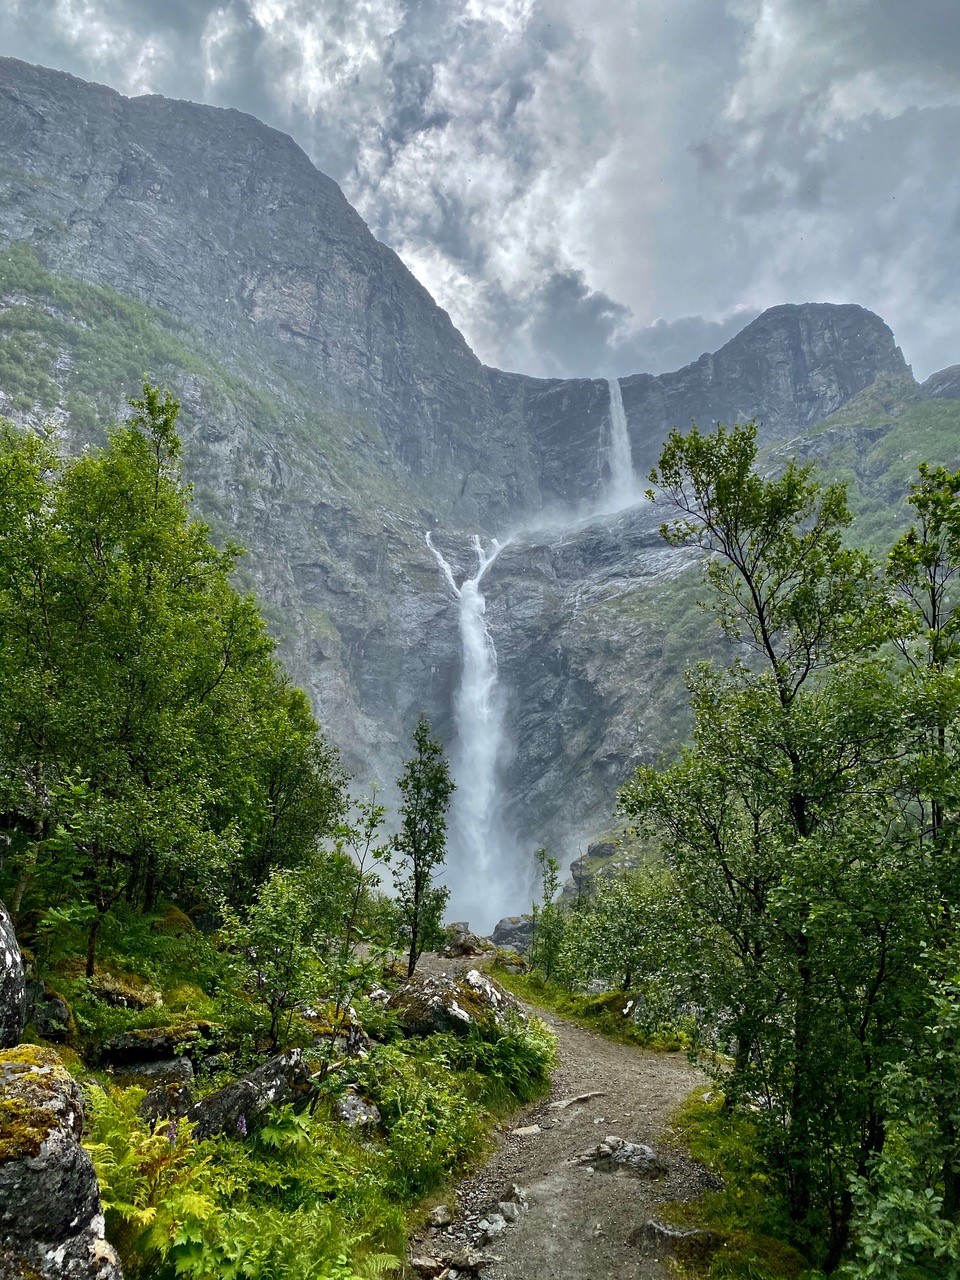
332 414
428 1006
241 1106
51 1224
13 987
944 385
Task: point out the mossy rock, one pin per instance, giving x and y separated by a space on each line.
37 1094
173 923
426 1006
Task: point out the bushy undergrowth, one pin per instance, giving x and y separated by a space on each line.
303 1194
614 1013
748 1212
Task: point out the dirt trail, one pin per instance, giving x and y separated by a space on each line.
583 1224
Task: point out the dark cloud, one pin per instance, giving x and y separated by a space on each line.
563 173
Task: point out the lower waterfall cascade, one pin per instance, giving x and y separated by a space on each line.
485 873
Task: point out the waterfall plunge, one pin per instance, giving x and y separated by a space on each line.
484 867
623 490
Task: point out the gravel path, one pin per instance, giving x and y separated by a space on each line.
581 1224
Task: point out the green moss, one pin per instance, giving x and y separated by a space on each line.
748 1217
23 1128
32 1075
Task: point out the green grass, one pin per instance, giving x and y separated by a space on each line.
747 1216
603 1013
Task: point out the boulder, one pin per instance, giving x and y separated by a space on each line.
355 1111
426 1006
616 1155
459 941
514 931
49 1013
51 1224
13 986
172 1101
158 1044
240 1106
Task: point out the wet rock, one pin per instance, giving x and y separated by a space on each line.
514 931
509 1211
615 1155
240 1106
51 1223
13 987
426 1006
460 941
166 1102
440 1216
355 1111
50 1014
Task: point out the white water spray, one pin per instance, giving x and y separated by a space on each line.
484 872
623 490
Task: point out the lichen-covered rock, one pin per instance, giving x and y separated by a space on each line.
425 1006
459 940
13 987
158 1044
51 1225
356 1111
240 1106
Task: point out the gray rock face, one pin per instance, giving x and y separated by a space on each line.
13 987
944 385
50 1219
342 415
238 1107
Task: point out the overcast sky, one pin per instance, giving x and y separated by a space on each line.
593 186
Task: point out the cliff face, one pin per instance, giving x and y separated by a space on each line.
333 414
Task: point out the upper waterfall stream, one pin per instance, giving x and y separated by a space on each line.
623 490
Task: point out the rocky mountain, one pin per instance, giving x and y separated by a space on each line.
333 415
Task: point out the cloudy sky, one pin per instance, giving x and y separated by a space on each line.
593 186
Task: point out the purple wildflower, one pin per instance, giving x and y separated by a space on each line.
242 1126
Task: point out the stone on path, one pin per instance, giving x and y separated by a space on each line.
614 1155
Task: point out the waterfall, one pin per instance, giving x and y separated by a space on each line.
623 490
483 865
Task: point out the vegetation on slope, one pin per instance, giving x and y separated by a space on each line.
183 859
804 922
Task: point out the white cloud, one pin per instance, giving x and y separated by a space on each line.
564 174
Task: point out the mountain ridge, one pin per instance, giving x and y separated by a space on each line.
333 414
